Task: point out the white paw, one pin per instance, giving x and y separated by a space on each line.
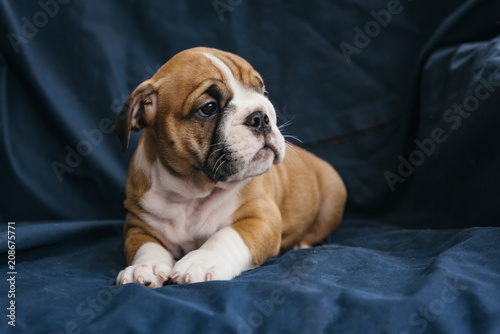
302 245
151 275
203 265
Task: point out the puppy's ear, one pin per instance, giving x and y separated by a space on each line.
138 112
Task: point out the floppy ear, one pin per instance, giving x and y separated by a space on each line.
137 113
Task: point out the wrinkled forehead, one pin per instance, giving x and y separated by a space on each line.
192 68
235 68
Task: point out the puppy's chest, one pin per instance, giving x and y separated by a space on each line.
184 226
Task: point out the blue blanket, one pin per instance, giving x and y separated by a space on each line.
402 97
368 278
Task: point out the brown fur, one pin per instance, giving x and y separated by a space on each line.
299 201
136 234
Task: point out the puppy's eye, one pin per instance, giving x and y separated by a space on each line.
208 109
266 94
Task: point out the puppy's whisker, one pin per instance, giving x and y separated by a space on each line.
284 125
293 137
290 148
221 157
217 150
220 165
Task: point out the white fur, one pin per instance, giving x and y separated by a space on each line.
239 137
151 266
152 252
182 216
194 225
222 257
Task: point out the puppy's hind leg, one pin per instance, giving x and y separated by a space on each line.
331 209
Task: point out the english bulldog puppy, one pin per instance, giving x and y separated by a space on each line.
212 188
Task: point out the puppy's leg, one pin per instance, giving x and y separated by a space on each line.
149 263
331 208
247 243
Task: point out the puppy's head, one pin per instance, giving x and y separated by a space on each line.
205 116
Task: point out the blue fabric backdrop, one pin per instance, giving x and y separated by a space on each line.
402 97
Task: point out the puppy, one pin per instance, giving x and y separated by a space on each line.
212 188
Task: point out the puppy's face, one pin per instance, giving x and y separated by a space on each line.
207 116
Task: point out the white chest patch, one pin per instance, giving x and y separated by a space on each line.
182 217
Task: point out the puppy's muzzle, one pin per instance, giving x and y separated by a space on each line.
259 123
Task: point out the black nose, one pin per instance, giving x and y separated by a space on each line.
259 122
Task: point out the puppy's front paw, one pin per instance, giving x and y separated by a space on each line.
202 265
151 275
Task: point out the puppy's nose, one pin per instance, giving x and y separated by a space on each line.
259 122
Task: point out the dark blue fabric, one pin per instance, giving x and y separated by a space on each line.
401 97
64 79
369 277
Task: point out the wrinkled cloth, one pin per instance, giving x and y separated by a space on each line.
401 97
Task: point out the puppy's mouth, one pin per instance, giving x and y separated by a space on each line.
267 150
226 164
276 152
222 168
229 165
